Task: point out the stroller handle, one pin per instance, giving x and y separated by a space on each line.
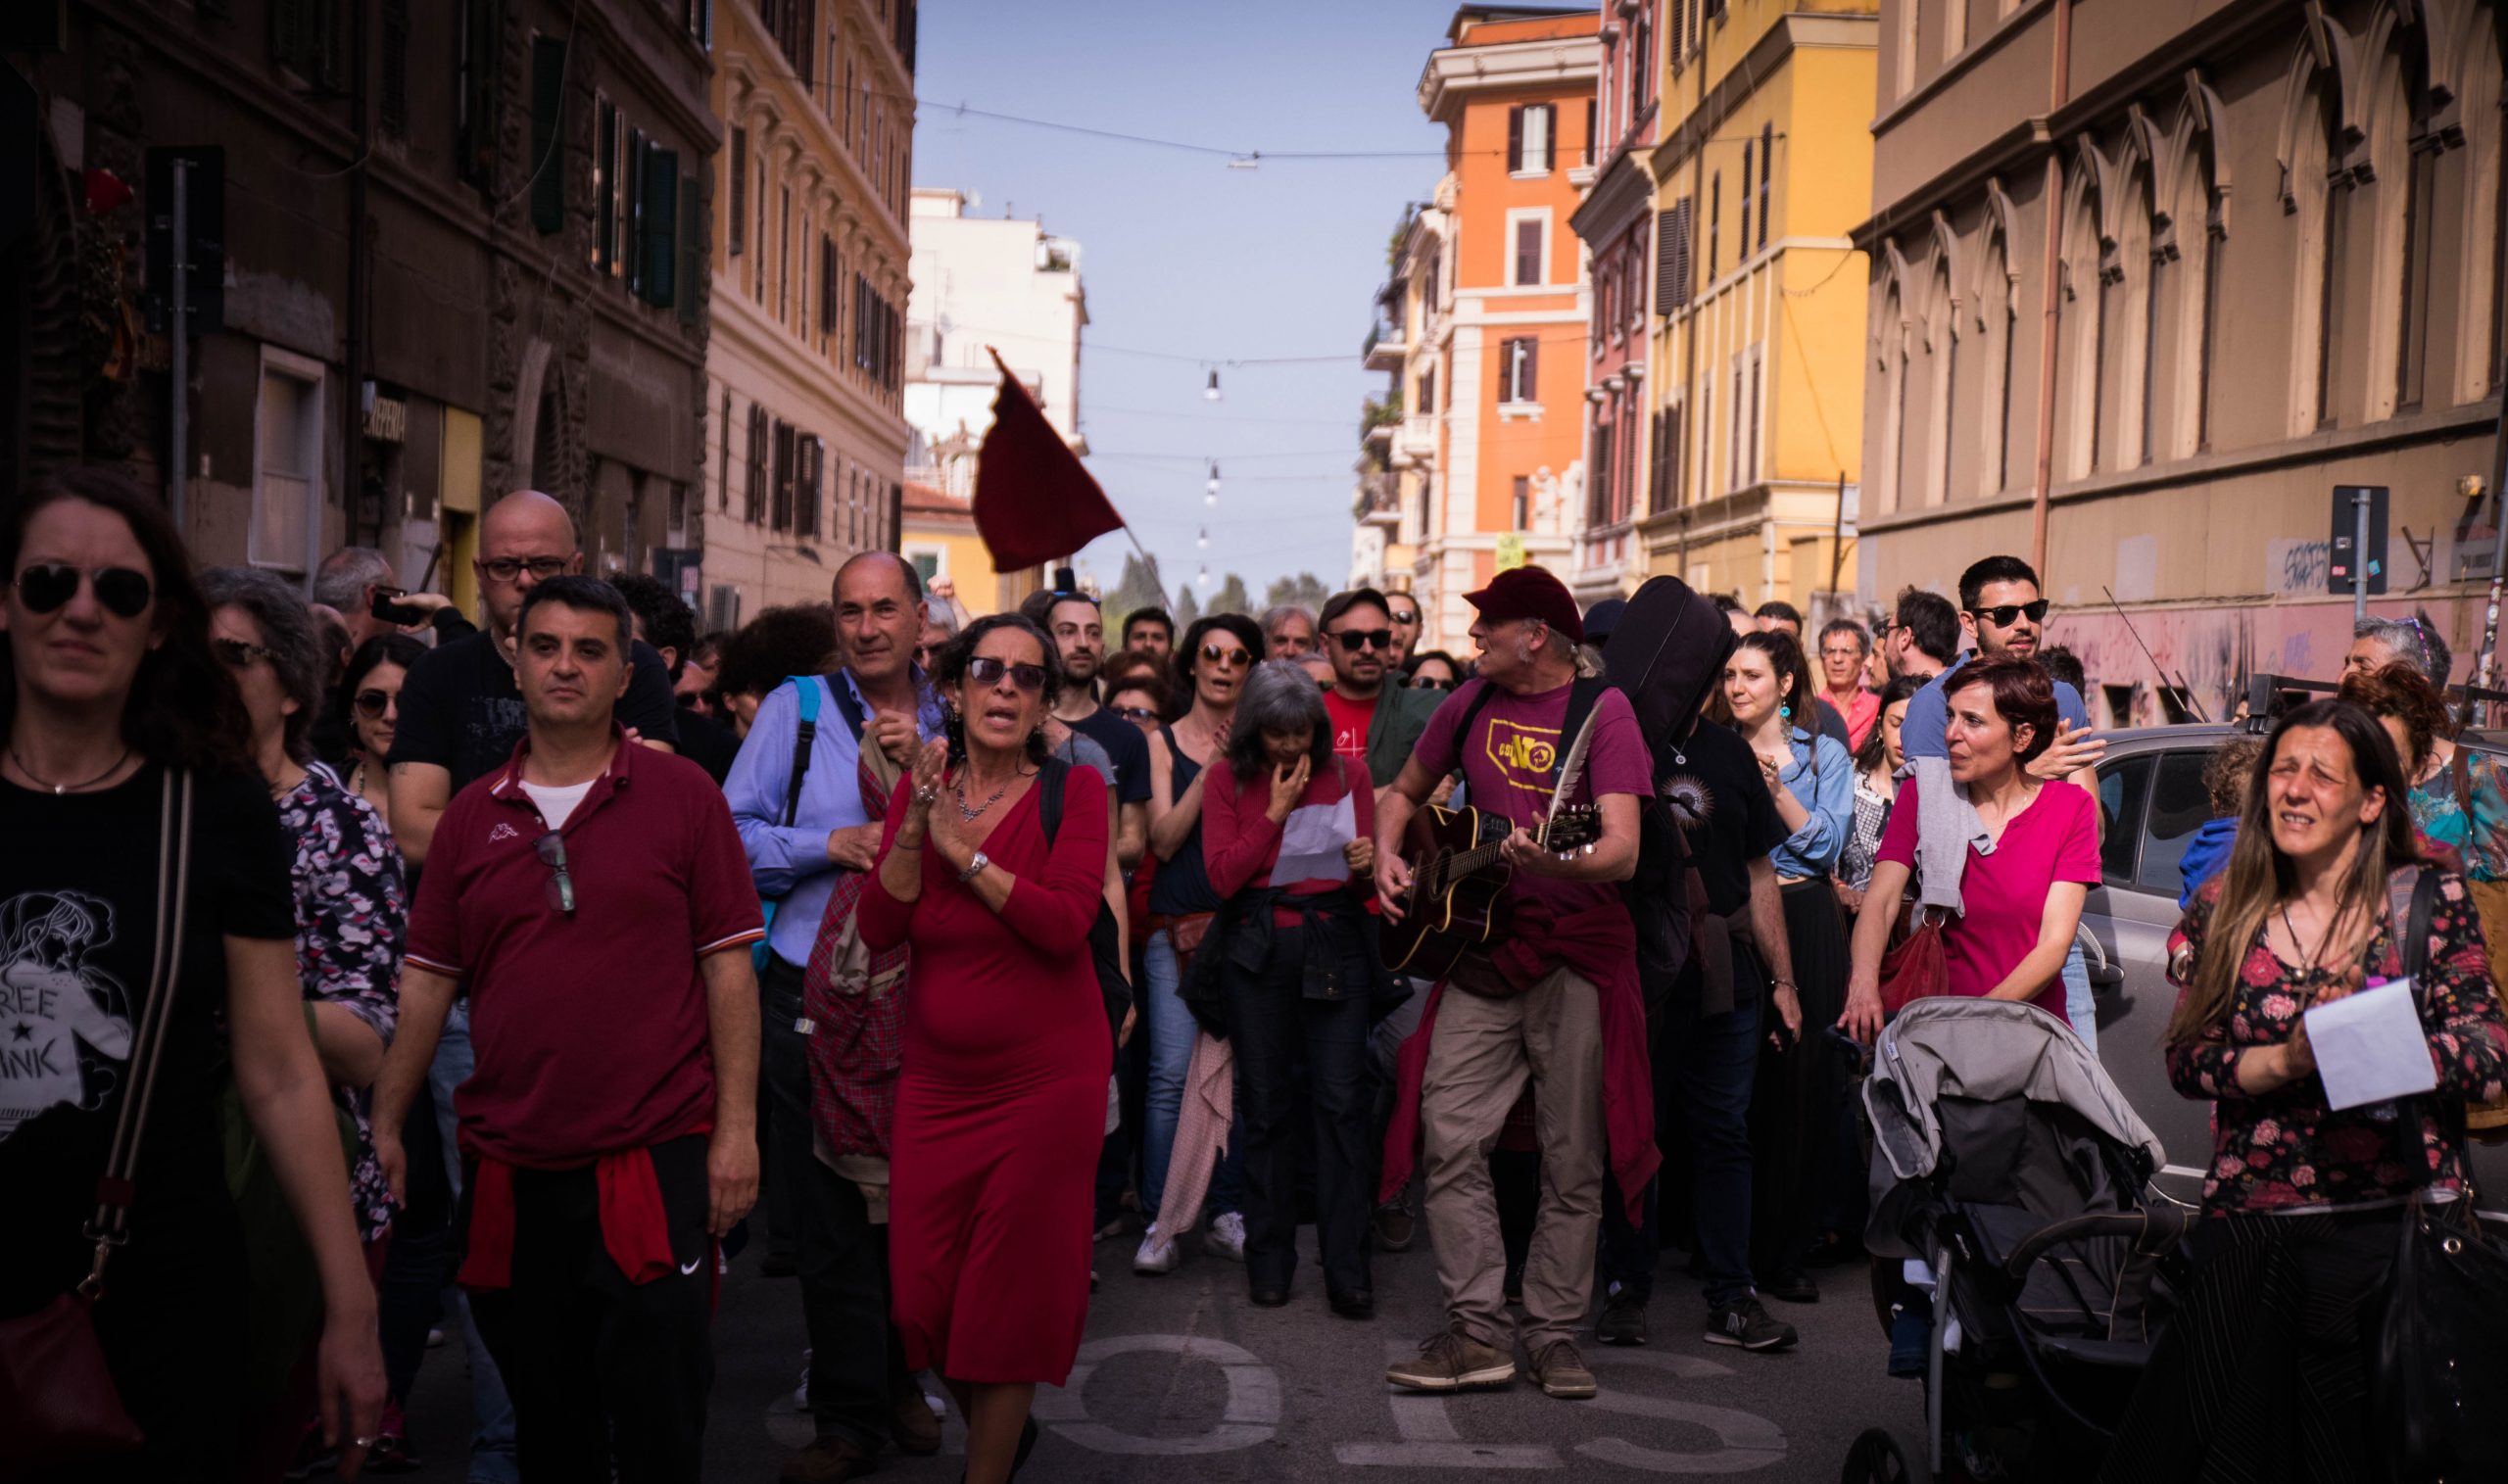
2154 1230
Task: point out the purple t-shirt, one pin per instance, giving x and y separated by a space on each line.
1508 760
2055 839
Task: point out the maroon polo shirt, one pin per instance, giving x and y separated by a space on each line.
591 1029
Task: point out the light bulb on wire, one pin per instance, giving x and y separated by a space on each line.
1210 491
1210 393
1206 574
1203 540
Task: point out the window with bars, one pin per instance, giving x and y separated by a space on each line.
785 453
737 218
758 446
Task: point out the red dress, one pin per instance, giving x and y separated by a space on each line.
1001 1096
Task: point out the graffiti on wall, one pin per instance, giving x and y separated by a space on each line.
2215 650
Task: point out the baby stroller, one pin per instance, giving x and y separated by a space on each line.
2010 1202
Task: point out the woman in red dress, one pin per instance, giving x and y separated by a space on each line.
1001 1098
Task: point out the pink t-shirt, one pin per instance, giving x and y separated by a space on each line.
2055 839
1508 760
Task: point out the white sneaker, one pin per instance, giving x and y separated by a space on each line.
1227 1238
1157 1255
802 1393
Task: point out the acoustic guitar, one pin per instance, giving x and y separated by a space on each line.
1457 873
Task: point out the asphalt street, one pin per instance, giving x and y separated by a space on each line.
1183 1368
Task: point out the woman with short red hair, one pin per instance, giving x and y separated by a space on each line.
2021 894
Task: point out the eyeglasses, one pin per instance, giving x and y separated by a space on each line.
1136 714
238 655
984 670
541 568
1230 655
2004 614
1355 640
371 704
45 585
561 886
1422 684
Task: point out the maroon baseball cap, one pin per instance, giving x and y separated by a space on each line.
1529 593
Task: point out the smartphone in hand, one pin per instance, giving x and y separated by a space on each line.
390 612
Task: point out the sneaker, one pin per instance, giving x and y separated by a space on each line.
1452 1361
1792 1287
1394 1228
1744 1322
1157 1255
912 1427
1112 1229
802 1393
1563 1373
1227 1238
1623 1321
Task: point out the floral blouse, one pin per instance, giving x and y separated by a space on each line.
351 911
1863 840
2285 1150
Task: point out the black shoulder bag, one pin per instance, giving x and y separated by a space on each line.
59 1406
2439 1361
1104 941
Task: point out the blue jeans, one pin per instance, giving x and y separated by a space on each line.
492 1455
1172 1029
1713 1061
2079 1007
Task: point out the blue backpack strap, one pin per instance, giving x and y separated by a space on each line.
807 691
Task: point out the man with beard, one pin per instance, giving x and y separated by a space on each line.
1371 721
1404 609
1079 636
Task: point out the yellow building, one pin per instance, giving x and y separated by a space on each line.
1763 163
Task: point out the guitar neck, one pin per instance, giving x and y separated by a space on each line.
1465 862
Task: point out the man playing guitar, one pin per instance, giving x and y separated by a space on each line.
1555 1004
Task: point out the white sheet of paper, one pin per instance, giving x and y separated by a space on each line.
2370 1047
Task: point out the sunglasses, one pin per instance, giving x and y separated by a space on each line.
45 585
1136 714
1431 684
561 886
541 568
2005 615
1355 640
984 670
371 704
1407 618
1230 654
240 655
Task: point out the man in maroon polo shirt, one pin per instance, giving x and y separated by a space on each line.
593 900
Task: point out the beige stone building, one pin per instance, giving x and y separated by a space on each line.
807 455
2274 267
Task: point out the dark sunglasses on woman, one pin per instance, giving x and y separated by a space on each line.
984 670
1431 684
371 704
44 586
1230 655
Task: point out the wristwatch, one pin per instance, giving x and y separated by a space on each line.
975 867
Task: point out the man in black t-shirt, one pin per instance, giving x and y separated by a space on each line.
460 711
1080 638
1710 1037
669 625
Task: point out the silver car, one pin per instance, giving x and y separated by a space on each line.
2150 802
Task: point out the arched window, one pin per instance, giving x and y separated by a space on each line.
2081 329
1890 351
1998 315
2316 196
1942 358
2186 284
2477 348
2404 151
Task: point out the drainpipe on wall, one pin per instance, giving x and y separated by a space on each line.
353 357
1689 331
2058 85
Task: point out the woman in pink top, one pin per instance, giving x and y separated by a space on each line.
1287 834
2023 894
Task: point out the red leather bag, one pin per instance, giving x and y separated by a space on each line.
1915 968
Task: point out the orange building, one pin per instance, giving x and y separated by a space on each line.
1493 309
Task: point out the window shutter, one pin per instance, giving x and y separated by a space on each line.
1506 370
605 229
1515 139
660 212
827 285
756 463
1768 161
806 508
1593 127
1550 136
739 220
392 112
1672 256
784 451
1529 376
692 246
631 209
547 135
482 32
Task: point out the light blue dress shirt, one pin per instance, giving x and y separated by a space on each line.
1829 795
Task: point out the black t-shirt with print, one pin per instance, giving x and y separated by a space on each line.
1712 782
461 710
1126 747
78 929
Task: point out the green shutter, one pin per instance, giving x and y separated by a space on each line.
549 135
658 262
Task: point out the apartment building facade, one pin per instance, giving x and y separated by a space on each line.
458 252
983 285
806 371
1493 284
2144 289
1761 168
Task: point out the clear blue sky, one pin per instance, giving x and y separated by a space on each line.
1182 254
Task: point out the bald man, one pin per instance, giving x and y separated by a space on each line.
461 716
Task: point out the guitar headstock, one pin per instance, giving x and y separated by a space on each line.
1579 828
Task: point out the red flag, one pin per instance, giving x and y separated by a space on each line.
1034 501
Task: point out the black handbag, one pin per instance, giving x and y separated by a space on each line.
59 1405
2438 1355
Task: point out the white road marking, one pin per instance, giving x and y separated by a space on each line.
1429 1440
1750 1440
1252 1413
